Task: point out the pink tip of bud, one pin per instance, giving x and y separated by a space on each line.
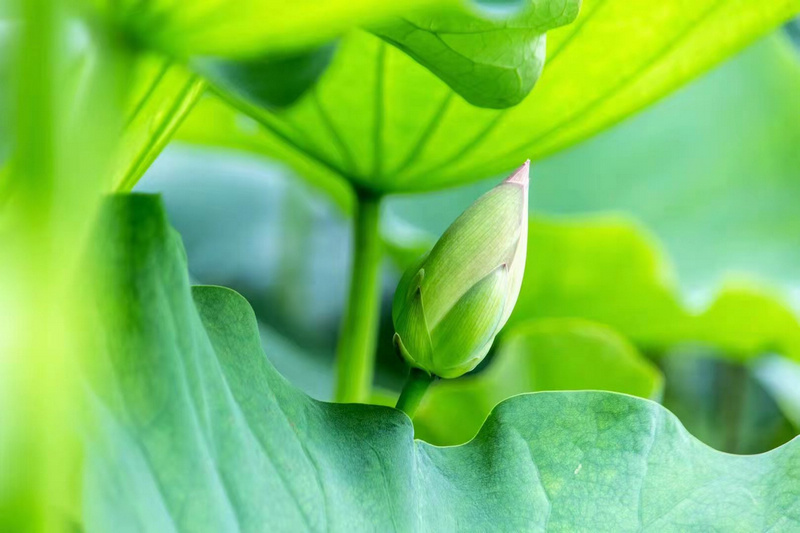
520 176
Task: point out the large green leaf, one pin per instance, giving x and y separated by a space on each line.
491 59
195 431
382 121
540 355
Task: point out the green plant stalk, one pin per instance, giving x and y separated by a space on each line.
414 390
355 352
28 368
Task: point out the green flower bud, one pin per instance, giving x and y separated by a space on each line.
451 304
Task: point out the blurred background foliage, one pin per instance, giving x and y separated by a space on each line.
663 253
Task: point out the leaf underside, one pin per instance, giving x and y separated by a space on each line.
380 119
194 430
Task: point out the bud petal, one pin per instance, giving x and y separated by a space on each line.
483 237
470 326
449 307
415 343
517 264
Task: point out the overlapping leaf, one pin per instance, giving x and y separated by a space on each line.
195 431
381 120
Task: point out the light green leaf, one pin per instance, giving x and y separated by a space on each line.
609 270
160 94
540 355
195 431
490 60
381 120
730 181
243 28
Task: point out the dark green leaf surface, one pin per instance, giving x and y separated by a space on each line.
489 60
383 121
271 81
195 431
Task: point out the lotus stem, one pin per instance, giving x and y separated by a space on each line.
355 352
414 390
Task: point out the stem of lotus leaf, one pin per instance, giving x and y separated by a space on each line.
414 390
355 352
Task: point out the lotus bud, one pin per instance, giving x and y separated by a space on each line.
451 304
